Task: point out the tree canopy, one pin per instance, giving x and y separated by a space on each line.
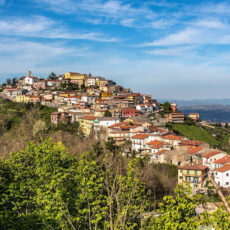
44 187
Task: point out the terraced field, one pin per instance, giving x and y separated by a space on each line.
196 133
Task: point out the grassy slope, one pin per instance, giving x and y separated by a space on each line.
196 133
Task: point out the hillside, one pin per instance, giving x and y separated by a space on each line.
216 136
21 123
196 133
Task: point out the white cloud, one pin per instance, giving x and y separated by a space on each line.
188 36
19 56
191 36
128 22
214 8
110 11
182 51
42 27
161 23
211 24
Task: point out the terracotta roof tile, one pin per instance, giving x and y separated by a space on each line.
213 153
224 168
190 142
161 152
223 160
194 150
194 167
172 137
140 136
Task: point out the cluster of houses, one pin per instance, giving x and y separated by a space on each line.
104 109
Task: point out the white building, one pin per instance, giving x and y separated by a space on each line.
90 81
51 83
222 161
172 139
29 80
222 175
156 146
209 158
106 121
139 141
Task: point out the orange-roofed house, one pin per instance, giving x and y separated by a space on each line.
194 175
159 156
195 150
194 116
209 158
123 131
129 112
156 146
139 141
222 161
195 153
175 117
172 139
222 175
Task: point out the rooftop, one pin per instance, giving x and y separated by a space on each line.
224 168
140 136
213 153
223 160
194 167
194 150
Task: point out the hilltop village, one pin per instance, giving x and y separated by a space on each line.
105 110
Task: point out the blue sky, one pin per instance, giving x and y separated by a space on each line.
170 49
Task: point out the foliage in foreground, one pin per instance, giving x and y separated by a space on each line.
44 187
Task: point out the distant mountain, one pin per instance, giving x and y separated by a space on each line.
214 101
213 110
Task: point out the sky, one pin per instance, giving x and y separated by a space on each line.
166 48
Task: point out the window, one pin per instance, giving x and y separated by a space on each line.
195 179
216 173
188 171
188 179
227 174
181 177
181 170
227 183
195 172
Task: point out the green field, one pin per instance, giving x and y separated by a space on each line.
195 133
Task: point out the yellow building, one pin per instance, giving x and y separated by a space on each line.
106 94
77 78
63 94
87 124
134 97
22 98
194 175
101 82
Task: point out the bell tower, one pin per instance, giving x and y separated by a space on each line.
29 73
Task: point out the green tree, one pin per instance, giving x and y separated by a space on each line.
167 107
111 145
92 200
39 127
38 191
14 81
177 213
52 76
97 149
8 81
107 113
